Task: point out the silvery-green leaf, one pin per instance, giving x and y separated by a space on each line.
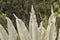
59 35
3 32
52 18
51 29
1 36
41 32
48 31
22 30
52 33
33 27
11 30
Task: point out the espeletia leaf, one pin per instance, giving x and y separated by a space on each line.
1 37
41 32
52 17
22 30
51 29
59 35
33 26
3 32
11 30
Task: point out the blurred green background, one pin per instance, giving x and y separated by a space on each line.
22 9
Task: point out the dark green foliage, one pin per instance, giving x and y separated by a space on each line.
22 9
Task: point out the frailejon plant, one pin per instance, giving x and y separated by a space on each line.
34 33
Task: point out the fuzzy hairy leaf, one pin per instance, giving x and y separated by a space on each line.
22 30
1 37
59 35
41 30
51 29
11 30
3 32
33 27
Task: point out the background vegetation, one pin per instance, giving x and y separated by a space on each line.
22 9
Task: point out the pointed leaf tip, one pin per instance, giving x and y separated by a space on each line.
52 9
15 16
32 9
6 18
11 30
